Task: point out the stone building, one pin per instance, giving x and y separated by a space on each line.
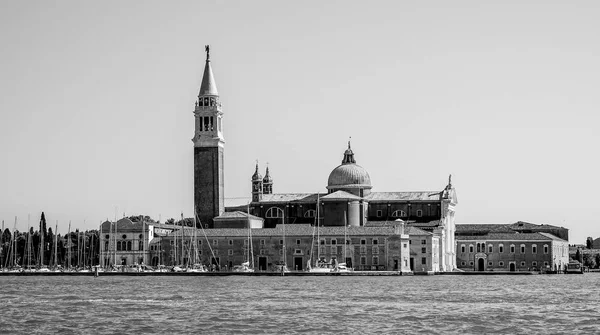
349 199
297 245
511 247
126 242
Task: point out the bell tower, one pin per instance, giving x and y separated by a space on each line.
209 145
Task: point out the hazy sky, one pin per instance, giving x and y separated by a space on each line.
97 100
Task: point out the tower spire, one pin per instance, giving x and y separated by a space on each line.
208 86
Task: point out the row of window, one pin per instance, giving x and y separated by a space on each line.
276 212
481 247
125 245
501 263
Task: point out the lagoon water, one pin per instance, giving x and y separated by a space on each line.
236 304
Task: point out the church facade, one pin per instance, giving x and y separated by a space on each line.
347 203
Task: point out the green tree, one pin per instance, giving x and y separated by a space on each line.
588 242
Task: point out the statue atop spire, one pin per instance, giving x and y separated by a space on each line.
207 49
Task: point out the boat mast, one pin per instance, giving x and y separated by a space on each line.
69 242
318 236
55 246
251 255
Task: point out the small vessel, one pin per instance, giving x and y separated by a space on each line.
245 267
574 267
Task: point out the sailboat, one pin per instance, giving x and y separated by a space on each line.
320 266
248 265
193 252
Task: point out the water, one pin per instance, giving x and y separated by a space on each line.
221 305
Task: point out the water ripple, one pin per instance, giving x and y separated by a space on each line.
232 305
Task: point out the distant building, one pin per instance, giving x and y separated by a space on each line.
520 246
126 242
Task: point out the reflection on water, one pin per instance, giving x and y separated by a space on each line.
430 304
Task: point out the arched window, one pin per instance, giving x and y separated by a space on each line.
512 248
463 248
500 248
470 248
534 249
118 245
398 214
128 245
106 246
522 248
274 212
141 245
311 213
490 248
419 213
545 248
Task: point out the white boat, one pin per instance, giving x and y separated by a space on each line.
245 267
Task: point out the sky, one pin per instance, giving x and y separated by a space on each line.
96 114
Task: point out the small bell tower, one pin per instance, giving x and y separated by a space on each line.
257 185
267 182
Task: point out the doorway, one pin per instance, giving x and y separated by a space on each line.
298 263
412 264
262 263
349 262
512 267
481 264
395 265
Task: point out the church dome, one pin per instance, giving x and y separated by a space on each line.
349 175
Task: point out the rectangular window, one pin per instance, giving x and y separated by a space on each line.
501 248
298 242
322 241
231 242
423 241
363 241
363 249
363 261
215 242
334 250
534 249
375 260
333 241
522 248
280 242
281 252
423 250
263 251
419 213
379 213
375 241
463 248
424 260
298 251
230 252
490 248
262 242
545 249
